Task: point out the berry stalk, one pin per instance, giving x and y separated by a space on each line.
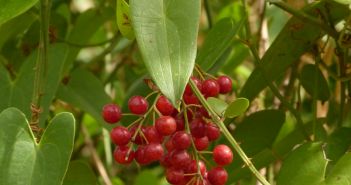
226 133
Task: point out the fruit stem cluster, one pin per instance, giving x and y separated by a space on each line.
226 133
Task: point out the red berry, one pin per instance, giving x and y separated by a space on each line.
152 135
180 122
154 151
174 175
198 128
138 140
213 131
217 176
181 140
169 144
201 143
165 161
222 155
225 84
192 168
205 113
188 91
140 156
111 113
190 99
210 88
166 125
164 106
138 105
120 135
120 154
180 159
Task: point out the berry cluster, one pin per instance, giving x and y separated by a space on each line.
182 134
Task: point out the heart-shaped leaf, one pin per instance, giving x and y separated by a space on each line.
79 173
23 161
237 107
340 174
308 80
11 9
166 32
217 41
219 106
124 21
304 166
19 93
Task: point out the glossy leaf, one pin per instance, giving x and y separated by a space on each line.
339 142
237 107
217 41
219 106
308 80
124 21
79 173
19 93
146 177
11 9
340 174
166 32
307 158
280 56
23 161
86 92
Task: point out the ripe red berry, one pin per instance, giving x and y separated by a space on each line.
164 106
165 161
210 88
120 154
140 156
181 140
198 128
154 151
192 168
205 113
213 131
217 176
166 125
180 159
152 135
169 144
190 99
138 140
222 155
111 113
174 175
180 122
188 91
201 143
120 135
225 84
138 105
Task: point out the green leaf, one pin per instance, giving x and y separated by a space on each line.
340 174
23 161
19 93
217 41
146 177
124 21
343 1
166 32
219 106
237 107
308 80
86 92
79 173
11 9
304 166
339 142
280 56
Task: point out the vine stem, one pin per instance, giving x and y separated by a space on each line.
208 13
269 83
306 17
43 55
192 142
226 133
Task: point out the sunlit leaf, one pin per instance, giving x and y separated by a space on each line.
219 106
124 21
